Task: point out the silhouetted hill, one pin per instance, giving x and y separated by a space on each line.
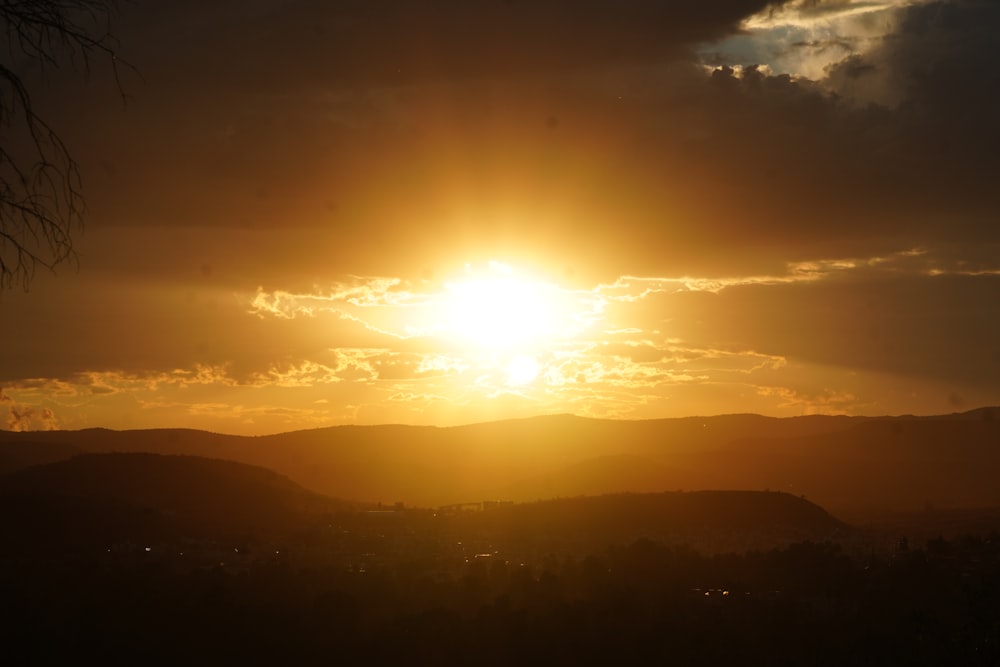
891 464
711 520
840 462
142 494
17 454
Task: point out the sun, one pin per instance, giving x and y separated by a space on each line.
522 369
499 310
499 322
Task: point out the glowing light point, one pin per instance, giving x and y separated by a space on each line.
496 309
522 370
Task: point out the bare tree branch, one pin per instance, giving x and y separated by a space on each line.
41 199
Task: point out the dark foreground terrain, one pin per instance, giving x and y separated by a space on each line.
644 602
167 560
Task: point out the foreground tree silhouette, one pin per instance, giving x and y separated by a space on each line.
41 200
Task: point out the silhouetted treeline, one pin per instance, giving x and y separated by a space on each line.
643 603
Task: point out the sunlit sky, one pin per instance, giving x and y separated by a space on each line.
317 213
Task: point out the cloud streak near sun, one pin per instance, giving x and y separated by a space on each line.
452 350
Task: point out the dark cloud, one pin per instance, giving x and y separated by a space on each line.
936 67
686 170
393 41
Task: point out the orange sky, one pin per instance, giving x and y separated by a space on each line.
320 213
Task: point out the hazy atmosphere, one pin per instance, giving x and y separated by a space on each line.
306 214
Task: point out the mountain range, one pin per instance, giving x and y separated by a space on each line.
844 464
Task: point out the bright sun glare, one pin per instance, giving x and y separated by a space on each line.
498 310
504 316
522 369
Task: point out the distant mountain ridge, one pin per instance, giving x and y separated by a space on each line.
840 462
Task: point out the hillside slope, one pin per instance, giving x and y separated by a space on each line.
714 521
141 494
